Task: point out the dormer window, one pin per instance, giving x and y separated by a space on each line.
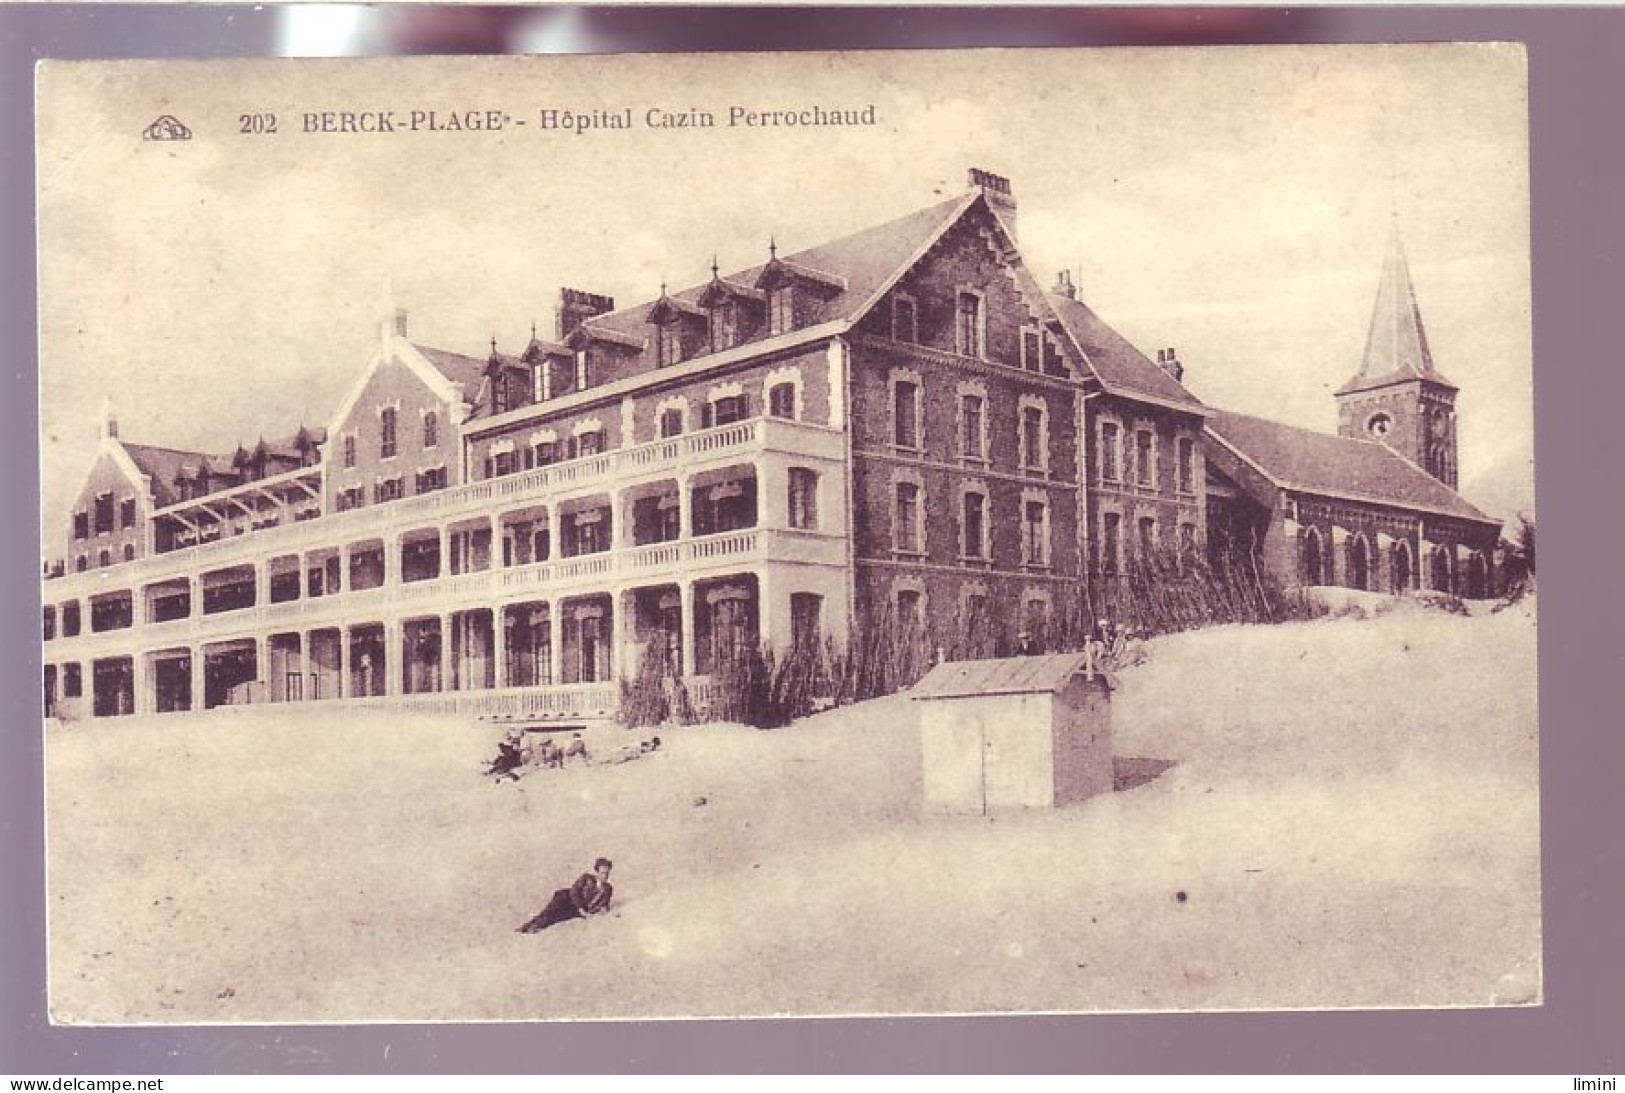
724 323
668 344
780 310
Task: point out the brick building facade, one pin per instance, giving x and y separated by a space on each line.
901 426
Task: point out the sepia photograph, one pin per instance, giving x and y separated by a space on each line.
788 535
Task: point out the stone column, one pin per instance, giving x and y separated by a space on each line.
445 652
690 630
555 634
262 583
344 651
445 554
685 509
620 659
499 647
392 559
262 665
394 666
194 657
141 698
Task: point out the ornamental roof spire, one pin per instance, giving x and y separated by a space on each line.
1396 345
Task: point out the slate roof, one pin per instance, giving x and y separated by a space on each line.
1008 676
468 373
161 466
1396 345
1121 367
863 263
1312 462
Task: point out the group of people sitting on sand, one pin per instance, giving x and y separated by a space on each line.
515 753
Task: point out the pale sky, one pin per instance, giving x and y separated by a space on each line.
1231 202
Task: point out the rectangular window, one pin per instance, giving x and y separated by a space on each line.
431 430
780 311
126 513
1144 469
386 433
583 372
104 513
1035 544
669 342
349 451
908 518
1148 536
502 463
1032 351
49 620
972 444
588 444
81 525
781 400
547 453
968 325
72 682
70 619
1110 439
1032 438
671 423
1187 540
726 411
975 525
904 320
1187 465
1111 542
909 609
803 498
806 619
906 414
724 329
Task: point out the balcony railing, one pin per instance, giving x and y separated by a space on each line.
672 455
604 571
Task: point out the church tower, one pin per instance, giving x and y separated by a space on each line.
1398 397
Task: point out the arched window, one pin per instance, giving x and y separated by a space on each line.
1442 570
1359 563
1401 566
1311 565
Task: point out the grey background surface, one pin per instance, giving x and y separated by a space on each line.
1576 81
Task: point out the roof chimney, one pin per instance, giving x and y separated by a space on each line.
109 422
1168 361
576 307
1064 285
996 189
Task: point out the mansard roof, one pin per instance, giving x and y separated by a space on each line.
1121 368
1396 346
1307 461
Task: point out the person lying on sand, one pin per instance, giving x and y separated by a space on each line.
508 761
635 751
589 895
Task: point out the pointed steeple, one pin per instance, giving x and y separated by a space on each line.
1396 346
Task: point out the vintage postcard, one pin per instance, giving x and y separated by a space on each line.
636 537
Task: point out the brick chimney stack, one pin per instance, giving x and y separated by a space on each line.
996 188
1168 361
1064 285
576 307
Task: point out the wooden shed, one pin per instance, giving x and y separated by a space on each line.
1021 732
